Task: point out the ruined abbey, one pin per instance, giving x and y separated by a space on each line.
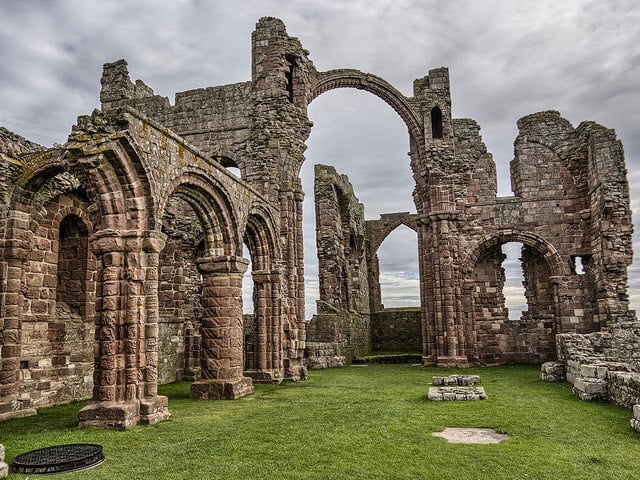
121 250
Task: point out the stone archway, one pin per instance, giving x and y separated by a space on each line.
377 232
265 357
220 272
493 338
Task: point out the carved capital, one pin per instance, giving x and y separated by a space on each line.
222 264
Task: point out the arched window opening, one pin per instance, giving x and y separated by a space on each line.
514 282
71 329
235 171
247 284
436 123
398 267
581 265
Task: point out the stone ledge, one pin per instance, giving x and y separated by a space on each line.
438 394
112 415
463 380
154 410
590 389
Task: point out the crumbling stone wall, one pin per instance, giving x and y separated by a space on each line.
343 308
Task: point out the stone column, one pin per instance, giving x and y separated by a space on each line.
114 401
267 306
109 408
154 408
16 252
125 376
222 333
444 343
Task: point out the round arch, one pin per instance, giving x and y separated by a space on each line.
351 78
260 239
531 240
214 211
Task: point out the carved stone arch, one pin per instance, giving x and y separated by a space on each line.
115 176
16 251
380 229
531 240
350 78
214 210
260 237
20 204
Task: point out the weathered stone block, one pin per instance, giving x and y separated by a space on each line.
459 393
222 389
154 410
111 415
552 372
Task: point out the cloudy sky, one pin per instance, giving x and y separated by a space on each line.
506 59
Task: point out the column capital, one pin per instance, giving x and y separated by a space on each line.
107 240
265 276
437 216
222 264
153 241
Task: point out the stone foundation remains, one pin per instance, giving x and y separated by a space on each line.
445 394
121 259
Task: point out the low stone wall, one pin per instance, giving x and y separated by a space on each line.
349 331
396 329
528 341
411 358
601 366
320 355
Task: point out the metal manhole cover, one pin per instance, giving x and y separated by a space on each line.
58 459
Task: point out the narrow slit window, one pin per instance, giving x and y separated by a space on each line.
436 122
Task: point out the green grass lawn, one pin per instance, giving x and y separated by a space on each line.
356 423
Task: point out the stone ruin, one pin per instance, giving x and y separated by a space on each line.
121 250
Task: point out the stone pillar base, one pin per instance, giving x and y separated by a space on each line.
452 362
264 376
112 415
222 389
154 410
428 361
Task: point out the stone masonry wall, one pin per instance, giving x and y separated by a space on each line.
396 330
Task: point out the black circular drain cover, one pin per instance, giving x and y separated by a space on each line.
58 459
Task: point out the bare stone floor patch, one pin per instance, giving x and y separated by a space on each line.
471 435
